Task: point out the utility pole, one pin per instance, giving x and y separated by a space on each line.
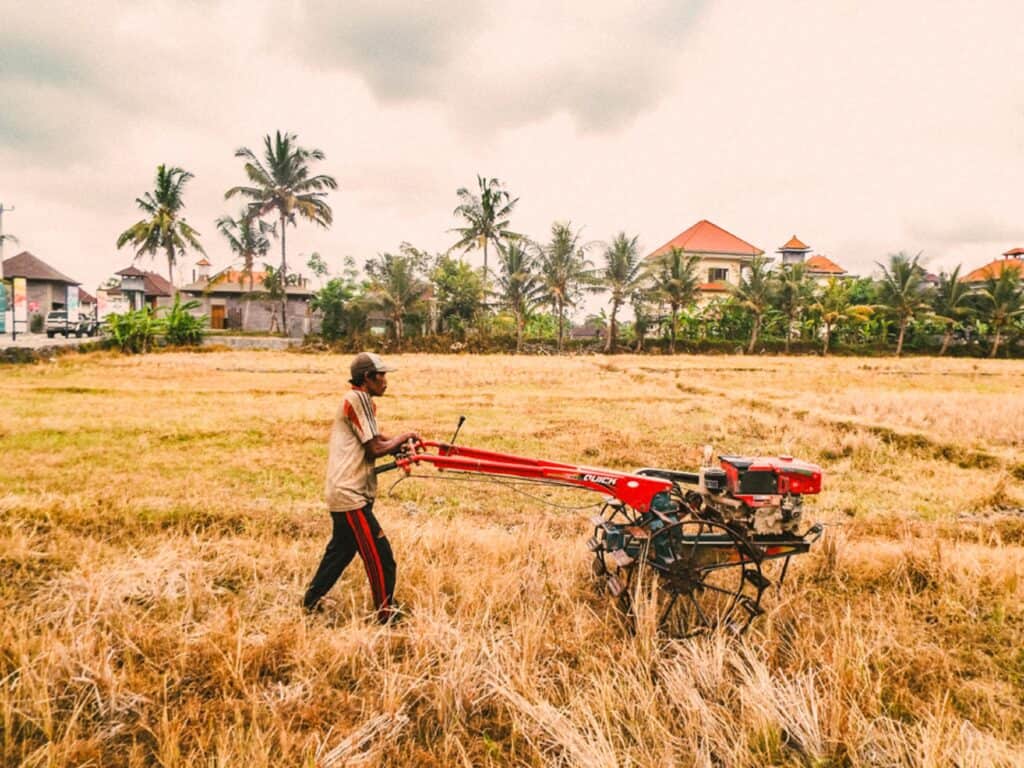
3 290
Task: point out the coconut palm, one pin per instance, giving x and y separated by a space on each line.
164 230
754 294
396 287
1002 302
486 214
564 270
792 292
622 276
949 303
834 306
517 283
247 238
902 291
282 183
674 282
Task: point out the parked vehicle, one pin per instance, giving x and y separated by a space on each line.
57 322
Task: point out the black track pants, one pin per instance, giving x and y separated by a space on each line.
357 531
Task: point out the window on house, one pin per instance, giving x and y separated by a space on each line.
718 274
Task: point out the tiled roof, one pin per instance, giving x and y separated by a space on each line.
794 245
85 297
203 262
154 285
821 264
705 237
1014 252
28 266
994 269
131 271
713 287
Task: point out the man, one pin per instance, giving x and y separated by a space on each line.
351 486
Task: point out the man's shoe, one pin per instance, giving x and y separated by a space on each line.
394 615
310 610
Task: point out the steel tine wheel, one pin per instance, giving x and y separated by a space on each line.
706 579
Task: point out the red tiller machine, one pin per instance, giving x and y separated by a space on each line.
697 543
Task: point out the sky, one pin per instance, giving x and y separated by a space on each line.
863 127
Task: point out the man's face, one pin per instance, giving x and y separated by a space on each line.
376 384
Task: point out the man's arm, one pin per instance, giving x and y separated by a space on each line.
379 445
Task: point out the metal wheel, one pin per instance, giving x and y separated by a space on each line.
693 577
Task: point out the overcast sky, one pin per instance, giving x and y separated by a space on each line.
863 127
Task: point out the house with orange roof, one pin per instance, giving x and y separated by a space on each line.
237 301
722 254
1012 259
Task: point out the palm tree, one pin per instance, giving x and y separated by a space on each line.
164 229
396 287
247 238
282 183
486 215
949 303
1003 301
754 293
792 292
675 283
563 270
622 276
834 306
902 291
518 284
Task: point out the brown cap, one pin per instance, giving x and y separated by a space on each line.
368 362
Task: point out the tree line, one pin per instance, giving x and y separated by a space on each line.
535 286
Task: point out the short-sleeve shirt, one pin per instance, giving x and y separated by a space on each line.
351 483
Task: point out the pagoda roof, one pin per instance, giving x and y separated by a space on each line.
32 268
794 244
131 271
705 237
203 262
823 265
994 269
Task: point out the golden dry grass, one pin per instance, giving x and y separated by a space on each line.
160 517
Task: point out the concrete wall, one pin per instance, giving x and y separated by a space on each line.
258 315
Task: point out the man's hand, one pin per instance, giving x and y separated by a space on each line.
382 446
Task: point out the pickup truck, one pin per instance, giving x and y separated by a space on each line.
57 322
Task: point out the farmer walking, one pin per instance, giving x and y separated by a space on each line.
351 486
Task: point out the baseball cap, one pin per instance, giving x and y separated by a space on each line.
369 362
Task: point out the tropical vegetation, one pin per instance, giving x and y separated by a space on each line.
163 230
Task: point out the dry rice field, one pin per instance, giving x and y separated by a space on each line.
160 517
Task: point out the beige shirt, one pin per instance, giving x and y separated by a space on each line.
351 483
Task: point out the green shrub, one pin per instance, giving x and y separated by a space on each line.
36 324
181 328
135 330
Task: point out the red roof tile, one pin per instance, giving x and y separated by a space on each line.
1015 252
993 269
819 263
713 287
705 237
794 245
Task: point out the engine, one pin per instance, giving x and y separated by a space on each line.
762 494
